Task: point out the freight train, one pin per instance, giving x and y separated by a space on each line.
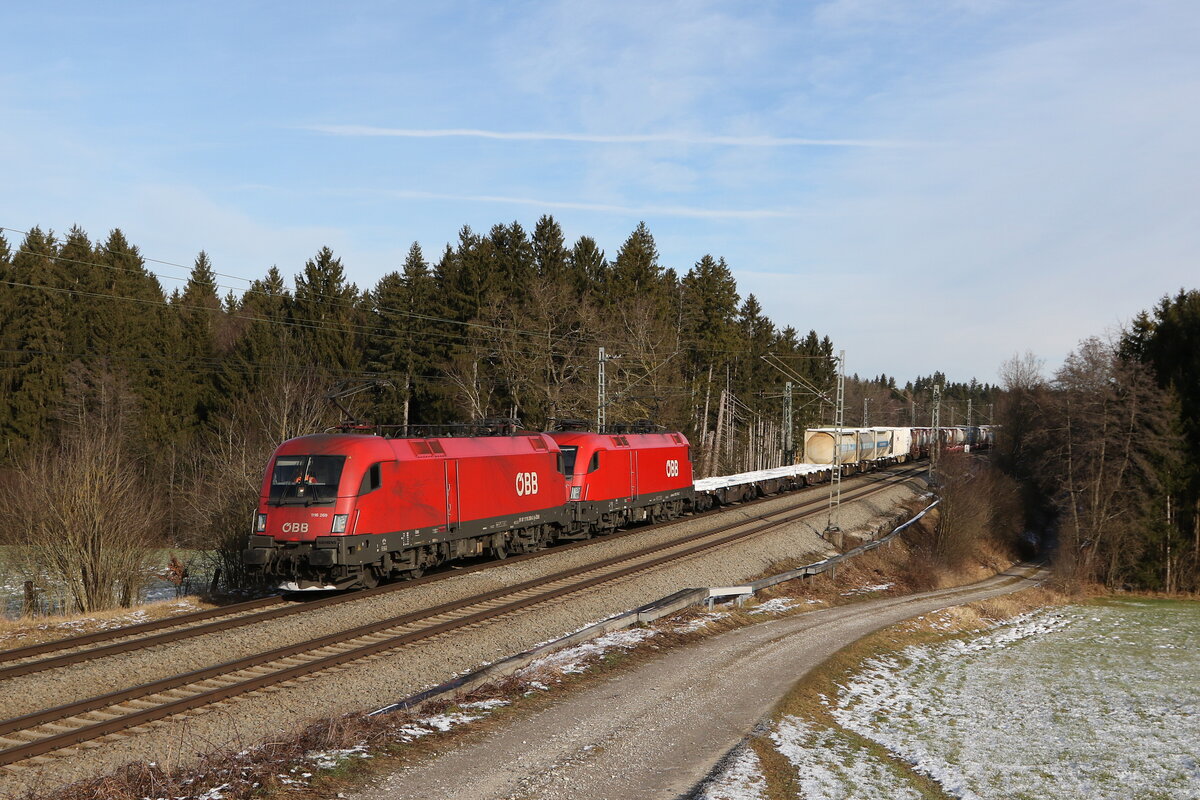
356 507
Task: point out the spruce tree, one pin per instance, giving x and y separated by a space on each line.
711 303
133 333
424 343
466 277
513 262
200 317
550 250
33 333
81 273
388 345
589 266
326 315
263 339
636 270
757 334
7 291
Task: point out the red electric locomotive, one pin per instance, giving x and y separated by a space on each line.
343 510
616 479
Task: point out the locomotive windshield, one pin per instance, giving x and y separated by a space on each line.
568 458
305 480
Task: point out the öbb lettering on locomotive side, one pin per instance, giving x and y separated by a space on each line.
350 509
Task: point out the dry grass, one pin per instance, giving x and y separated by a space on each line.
25 631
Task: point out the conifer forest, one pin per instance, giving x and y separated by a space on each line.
135 419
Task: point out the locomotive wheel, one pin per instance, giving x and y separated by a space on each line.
369 578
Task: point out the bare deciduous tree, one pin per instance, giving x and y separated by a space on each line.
81 510
227 466
1106 429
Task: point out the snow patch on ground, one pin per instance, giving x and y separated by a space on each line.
1063 703
942 621
741 779
699 622
444 722
829 766
877 587
331 759
575 659
484 705
54 597
777 605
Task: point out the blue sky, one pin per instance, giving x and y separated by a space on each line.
935 185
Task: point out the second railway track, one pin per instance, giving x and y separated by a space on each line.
33 735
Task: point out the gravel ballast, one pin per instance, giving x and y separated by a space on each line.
383 679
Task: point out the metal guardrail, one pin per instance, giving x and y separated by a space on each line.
641 615
833 561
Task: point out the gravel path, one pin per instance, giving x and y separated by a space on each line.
657 731
383 679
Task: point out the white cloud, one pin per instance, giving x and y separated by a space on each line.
633 211
631 138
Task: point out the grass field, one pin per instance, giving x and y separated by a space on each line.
1089 701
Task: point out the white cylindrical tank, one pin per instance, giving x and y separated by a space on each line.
820 445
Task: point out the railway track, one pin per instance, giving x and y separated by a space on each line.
101 644
34 735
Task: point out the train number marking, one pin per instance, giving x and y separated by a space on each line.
672 468
527 483
295 527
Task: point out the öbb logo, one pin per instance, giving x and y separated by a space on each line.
527 483
672 468
295 527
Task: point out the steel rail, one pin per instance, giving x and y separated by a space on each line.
235 616
32 650
656 557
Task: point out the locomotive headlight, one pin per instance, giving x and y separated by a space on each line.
260 523
339 522
575 492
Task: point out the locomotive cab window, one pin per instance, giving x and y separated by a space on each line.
305 480
567 458
372 480
594 464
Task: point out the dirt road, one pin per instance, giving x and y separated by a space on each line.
657 731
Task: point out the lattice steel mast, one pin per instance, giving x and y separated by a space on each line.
935 447
835 472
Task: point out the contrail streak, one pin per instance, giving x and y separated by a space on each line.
633 138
